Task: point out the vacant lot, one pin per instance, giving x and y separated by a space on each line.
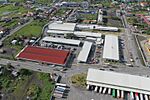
33 29
37 86
11 10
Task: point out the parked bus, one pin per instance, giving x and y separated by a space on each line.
61 84
57 95
60 89
56 91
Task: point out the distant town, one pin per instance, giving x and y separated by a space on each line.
74 50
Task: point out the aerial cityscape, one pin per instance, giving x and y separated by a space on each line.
74 49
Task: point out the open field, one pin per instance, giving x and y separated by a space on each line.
79 80
12 10
33 84
33 29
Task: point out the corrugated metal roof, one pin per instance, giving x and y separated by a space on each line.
84 53
120 81
47 55
111 47
62 26
61 40
59 32
90 34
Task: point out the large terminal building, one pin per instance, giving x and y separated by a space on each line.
111 48
118 83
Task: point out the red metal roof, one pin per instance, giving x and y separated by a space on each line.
46 55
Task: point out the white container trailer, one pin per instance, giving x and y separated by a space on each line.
100 90
104 90
146 97
118 93
96 88
88 86
109 91
122 94
141 96
137 96
132 96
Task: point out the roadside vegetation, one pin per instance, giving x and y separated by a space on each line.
34 85
48 2
79 80
47 87
33 29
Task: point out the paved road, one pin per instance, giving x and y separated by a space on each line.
131 44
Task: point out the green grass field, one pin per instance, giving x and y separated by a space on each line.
89 16
47 86
12 9
31 30
18 88
48 2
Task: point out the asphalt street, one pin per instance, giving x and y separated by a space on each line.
131 44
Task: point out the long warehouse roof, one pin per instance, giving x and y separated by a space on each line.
84 34
59 32
47 55
111 48
61 40
62 26
120 81
84 53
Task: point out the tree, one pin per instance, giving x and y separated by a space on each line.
25 72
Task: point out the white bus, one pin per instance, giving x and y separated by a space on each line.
58 95
61 84
60 92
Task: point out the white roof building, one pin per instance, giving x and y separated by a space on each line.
111 48
84 53
120 81
87 34
62 26
103 28
95 26
61 40
59 32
